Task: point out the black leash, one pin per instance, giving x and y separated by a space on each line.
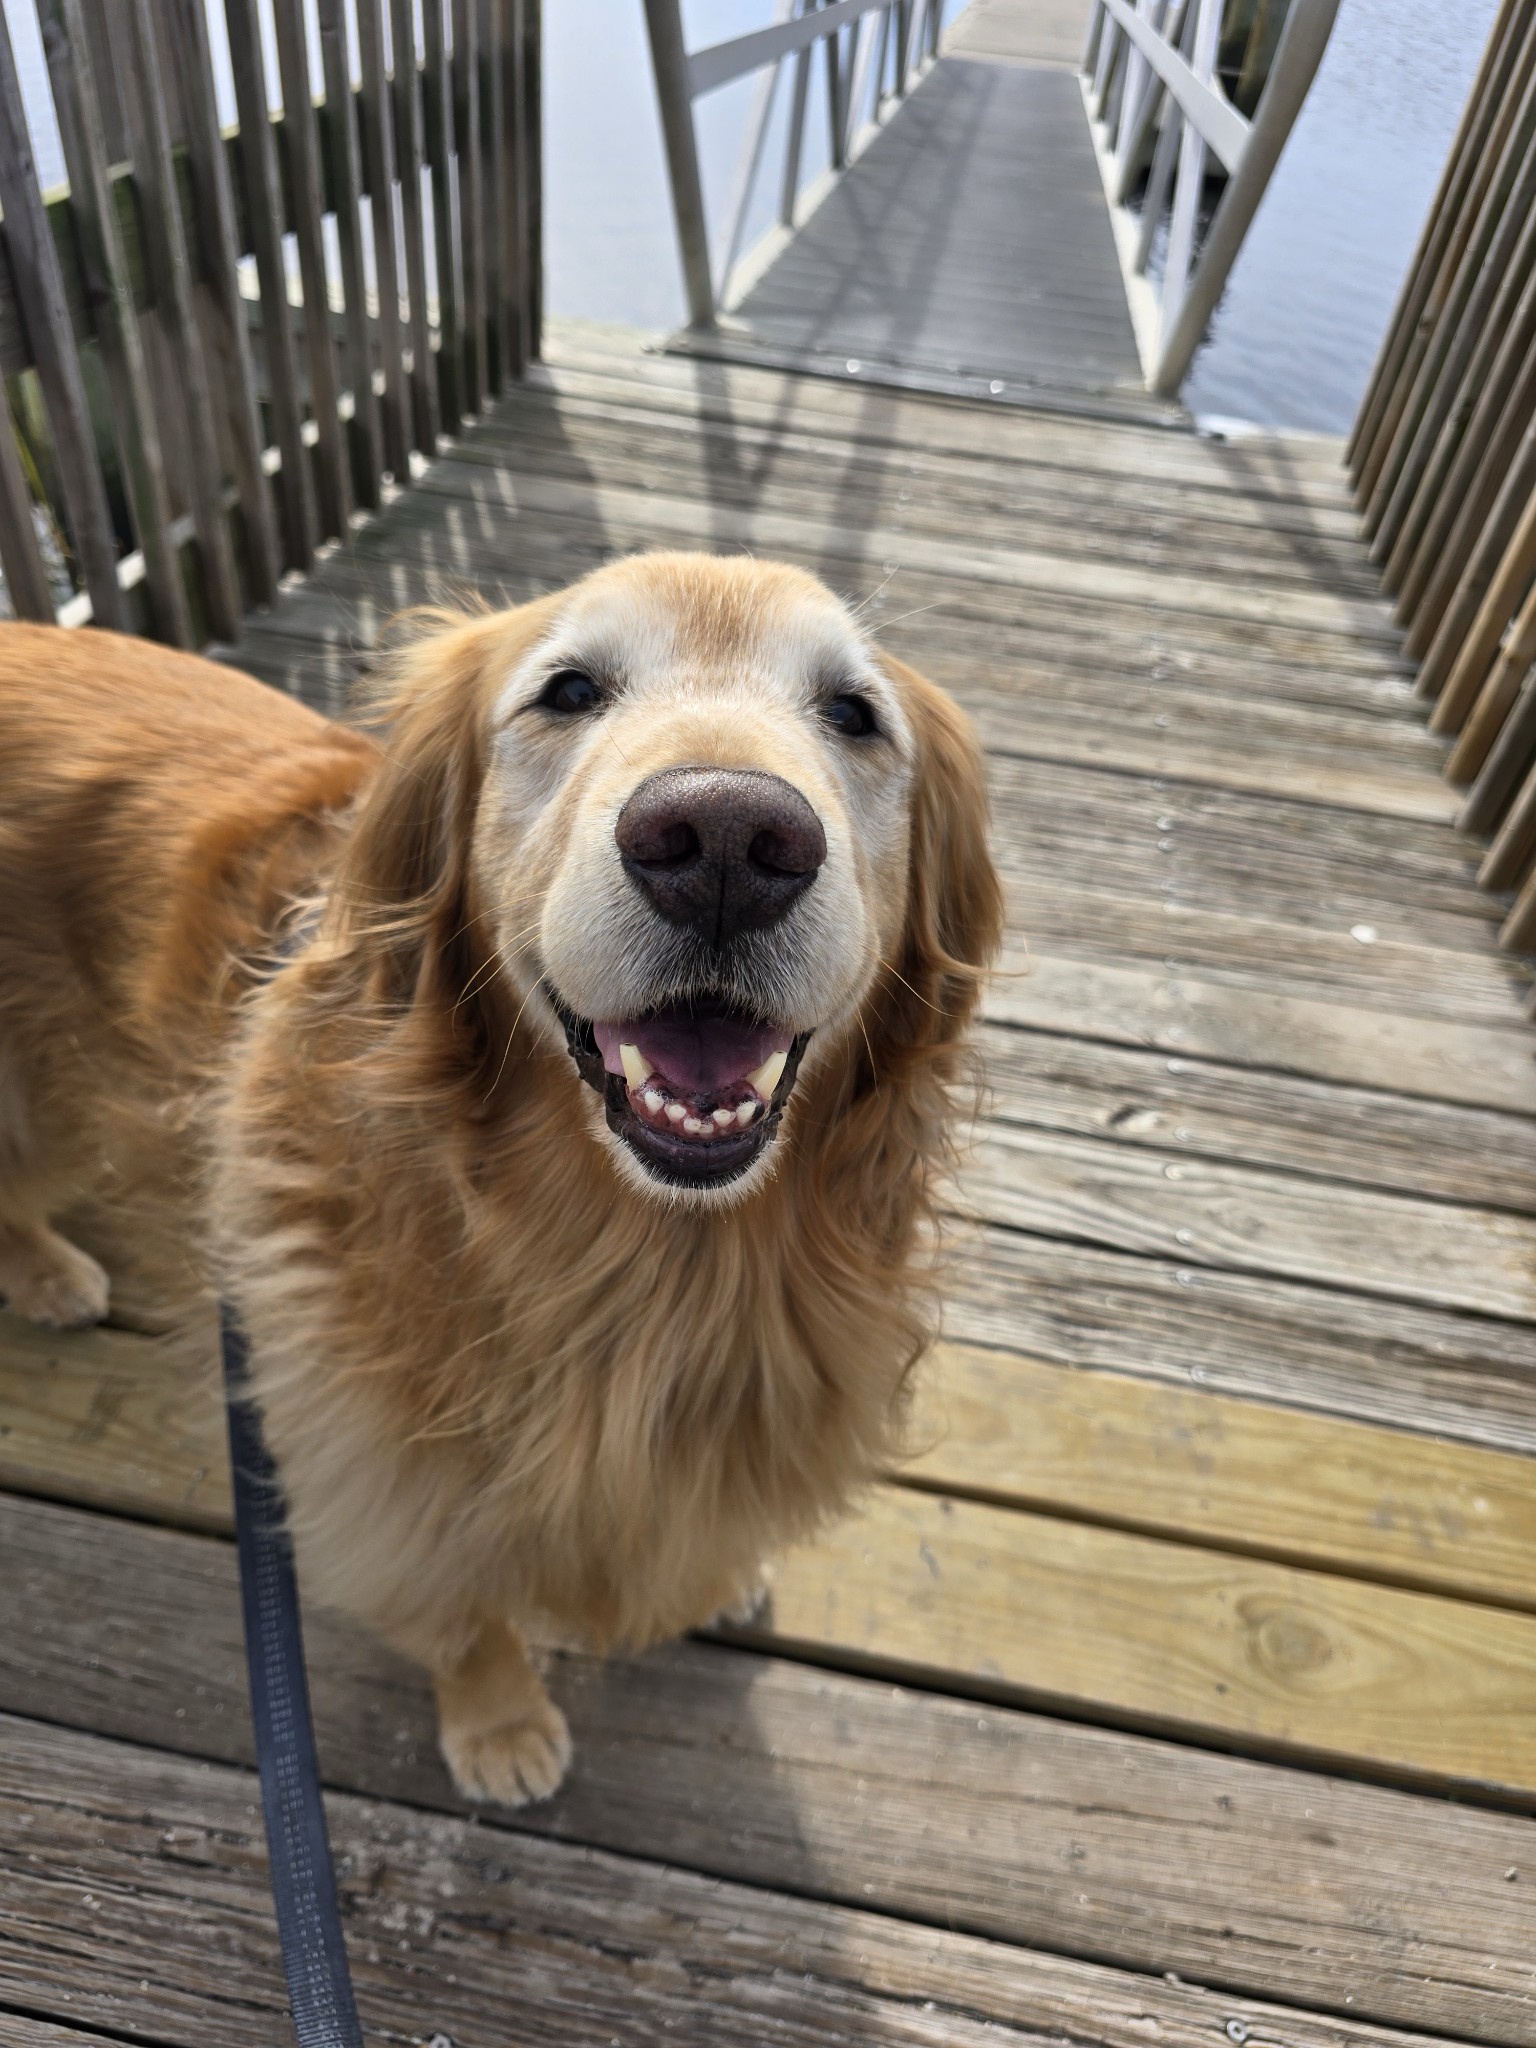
298 1848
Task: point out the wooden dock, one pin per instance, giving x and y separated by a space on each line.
1181 1690
968 249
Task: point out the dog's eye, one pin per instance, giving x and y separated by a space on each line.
850 716
570 692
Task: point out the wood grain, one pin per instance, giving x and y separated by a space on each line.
816 1783
1204 1108
1238 1475
506 1938
1261 1025
1008 1605
1212 1213
1431 1370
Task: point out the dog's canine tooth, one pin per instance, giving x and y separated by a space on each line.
653 1101
676 1111
768 1075
723 1117
637 1068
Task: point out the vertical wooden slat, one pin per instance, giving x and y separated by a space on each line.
513 198
379 156
1506 207
110 296
40 288
437 124
1447 662
1406 315
171 270
234 381
531 115
466 85
492 156
334 483
26 579
261 183
363 433
1465 245
1505 590
408 166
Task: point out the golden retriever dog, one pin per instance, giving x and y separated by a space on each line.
560 1089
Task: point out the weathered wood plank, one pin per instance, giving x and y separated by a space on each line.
1257 1023
105 273
408 163
347 168
40 286
1084 1088
170 262
185 31
820 1784
1209 1212
507 1938
259 157
1375 1503
1314 1348
333 474
378 147
26 579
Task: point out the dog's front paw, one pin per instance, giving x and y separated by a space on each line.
510 1765
48 1280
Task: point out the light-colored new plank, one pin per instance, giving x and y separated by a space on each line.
1168 1636
1239 1475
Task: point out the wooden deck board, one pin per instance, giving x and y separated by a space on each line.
842 1788
992 259
1266 1490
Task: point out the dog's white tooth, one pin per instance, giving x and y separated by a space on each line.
745 1111
637 1068
653 1101
693 1125
676 1111
768 1075
723 1117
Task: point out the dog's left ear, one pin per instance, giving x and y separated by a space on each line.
954 923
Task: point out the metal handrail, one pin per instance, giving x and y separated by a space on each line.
1149 79
872 64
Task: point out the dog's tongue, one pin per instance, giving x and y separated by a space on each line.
697 1053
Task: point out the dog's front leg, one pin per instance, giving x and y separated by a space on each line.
502 1736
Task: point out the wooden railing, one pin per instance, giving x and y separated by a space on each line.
875 51
1444 461
1162 120
180 431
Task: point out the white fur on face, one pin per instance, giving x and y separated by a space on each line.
702 662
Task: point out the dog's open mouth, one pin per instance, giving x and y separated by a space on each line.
696 1089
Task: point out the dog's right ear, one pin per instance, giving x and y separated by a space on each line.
402 906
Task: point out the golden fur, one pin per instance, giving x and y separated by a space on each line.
507 1381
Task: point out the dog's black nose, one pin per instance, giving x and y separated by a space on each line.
724 850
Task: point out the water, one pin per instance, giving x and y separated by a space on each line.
1312 290
1309 297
